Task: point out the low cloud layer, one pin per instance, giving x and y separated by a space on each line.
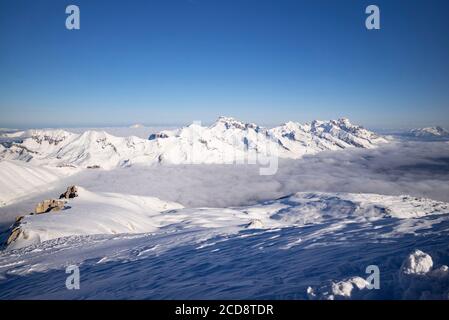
413 168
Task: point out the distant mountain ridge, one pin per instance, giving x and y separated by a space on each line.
225 141
429 132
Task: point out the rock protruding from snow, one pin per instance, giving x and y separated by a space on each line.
49 205
71 192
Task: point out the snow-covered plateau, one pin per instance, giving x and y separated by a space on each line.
168 218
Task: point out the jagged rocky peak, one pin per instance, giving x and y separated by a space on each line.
232 123
344 122
50 136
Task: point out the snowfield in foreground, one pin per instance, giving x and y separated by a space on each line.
303 246
109 213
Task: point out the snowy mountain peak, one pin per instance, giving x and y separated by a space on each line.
430 132
92 135
226 141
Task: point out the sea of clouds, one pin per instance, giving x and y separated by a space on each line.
403 167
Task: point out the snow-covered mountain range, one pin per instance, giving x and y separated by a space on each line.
296 235
226 141
429 132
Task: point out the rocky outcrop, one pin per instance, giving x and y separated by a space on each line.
15 230
49 205
15 233
70 193
160 135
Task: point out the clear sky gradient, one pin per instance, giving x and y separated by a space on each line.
175 61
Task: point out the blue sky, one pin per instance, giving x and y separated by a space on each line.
175 61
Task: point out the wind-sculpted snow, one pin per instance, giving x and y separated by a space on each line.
307 245
226 141
415 279
91 214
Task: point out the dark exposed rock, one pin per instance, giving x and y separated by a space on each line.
70 193
155 136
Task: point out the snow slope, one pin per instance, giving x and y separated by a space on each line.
109 213
92 213
226 141
307 245
19 179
